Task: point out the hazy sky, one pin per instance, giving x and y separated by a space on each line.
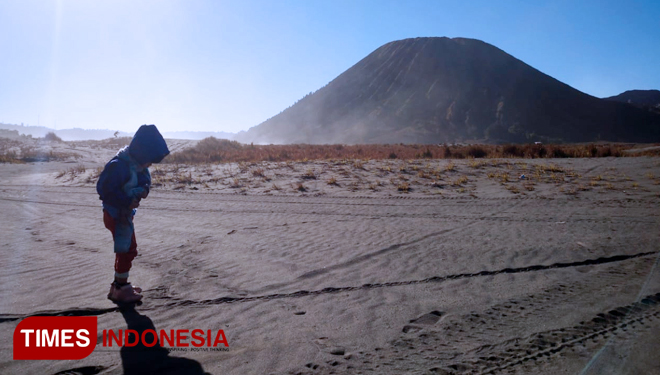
229 65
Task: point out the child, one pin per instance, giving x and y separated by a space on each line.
125 180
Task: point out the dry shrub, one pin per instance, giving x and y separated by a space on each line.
15 151
426 154
557 152
460 181
649 152
403 187
235 183
52 137
10 158
213 150
95 175
73 172
309 175
477 152
30 155
513 189
512 151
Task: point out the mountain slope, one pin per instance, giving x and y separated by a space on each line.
433 90
645 99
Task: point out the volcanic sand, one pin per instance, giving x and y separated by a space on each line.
471 278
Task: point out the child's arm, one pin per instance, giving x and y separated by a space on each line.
144 181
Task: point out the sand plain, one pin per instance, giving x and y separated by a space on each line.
554 273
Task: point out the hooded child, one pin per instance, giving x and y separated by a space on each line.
124 182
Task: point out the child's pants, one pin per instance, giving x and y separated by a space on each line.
123 261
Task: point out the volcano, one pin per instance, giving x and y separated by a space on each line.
442 90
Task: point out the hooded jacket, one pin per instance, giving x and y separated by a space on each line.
123 179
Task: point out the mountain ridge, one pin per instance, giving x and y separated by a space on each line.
645 99
435 90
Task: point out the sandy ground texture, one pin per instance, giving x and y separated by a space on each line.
467 269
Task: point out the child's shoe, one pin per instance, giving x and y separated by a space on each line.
113 286
124 293
137 289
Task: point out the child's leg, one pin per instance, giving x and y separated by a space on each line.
123 261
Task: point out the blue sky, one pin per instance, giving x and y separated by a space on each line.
229 65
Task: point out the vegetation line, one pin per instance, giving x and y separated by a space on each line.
212 150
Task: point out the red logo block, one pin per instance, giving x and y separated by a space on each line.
55 337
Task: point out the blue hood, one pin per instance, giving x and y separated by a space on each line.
148 146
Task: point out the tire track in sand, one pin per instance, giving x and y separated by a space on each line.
331 290
520 350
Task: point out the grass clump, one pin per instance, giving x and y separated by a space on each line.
403 187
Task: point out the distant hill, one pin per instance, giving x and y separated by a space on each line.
435 90
74 134
645 99
77 134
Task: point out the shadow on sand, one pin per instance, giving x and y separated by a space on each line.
140 359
